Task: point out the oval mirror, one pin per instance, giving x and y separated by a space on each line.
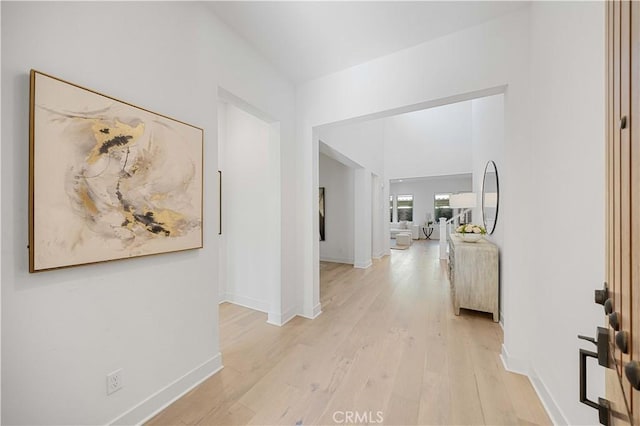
490 197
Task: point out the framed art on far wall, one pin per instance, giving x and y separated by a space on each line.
108 180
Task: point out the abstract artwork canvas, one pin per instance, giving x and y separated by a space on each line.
108 180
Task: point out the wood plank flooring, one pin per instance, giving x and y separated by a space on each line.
387 341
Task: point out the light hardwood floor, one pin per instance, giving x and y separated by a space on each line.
387 341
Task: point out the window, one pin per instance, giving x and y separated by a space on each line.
390 208
405 208
441 207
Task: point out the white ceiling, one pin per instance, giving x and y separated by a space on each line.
308 39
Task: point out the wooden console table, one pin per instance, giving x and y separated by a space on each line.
473 274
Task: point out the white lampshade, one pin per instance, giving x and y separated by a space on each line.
491 199
463 200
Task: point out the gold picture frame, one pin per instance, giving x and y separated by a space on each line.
108 180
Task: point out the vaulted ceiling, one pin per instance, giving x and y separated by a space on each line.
309 39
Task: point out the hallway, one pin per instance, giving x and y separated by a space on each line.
387 346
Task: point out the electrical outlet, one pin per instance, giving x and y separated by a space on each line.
114 381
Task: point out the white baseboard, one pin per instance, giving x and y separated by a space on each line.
247 302
363 265
553 410
273 318
514 365
317 310
523 367
336 260
166 396
281 319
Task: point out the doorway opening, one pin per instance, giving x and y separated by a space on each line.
405 157
250 234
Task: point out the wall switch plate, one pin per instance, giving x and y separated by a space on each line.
114 381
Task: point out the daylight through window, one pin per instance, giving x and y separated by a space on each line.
390 208
405 208
441 207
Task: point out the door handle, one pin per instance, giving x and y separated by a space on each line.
602 343
600 296
602 355
602 405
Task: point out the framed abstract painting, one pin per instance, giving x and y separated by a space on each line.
108 180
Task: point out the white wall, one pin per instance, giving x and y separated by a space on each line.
569 171
155 317
379 213
362 248
424 190
222 111
430 142
361 142
488 145
250 164
486 59
337 179
1 190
